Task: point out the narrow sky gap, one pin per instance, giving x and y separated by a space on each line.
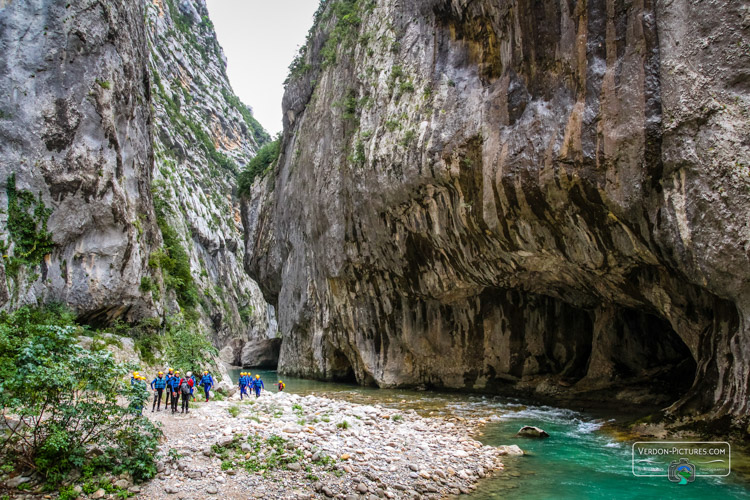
260 38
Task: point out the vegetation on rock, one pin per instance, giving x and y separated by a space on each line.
265 159
173 259
27 227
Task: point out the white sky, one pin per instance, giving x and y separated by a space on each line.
260 38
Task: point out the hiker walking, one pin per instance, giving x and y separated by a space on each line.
158 385
257 385
174 386
207 381
244 382
168 397
193 383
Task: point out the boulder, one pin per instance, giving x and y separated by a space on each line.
510 450
261 353
531 431
17 481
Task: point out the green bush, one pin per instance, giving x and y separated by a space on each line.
65 402
187 347
344 33
27 227
173 260
358 157
264 159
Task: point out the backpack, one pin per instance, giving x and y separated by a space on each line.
185 387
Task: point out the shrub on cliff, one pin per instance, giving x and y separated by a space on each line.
187 346
63 404
265 158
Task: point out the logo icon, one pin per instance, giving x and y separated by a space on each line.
681 471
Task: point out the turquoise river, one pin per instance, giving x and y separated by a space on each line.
582 458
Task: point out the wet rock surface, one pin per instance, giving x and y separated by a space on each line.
287 446
532 432
547 198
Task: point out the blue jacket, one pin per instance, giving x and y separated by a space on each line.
257 384
207 380
158 383
173 383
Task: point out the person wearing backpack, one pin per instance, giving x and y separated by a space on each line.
186 389
158 385
174 387
207 381
281 385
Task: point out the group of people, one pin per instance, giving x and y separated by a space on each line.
247 381
172 387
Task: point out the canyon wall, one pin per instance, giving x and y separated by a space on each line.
543 197
76 157
120 144
203 137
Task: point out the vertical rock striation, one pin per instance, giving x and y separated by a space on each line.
75 144
501 196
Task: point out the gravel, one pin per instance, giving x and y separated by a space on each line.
324 448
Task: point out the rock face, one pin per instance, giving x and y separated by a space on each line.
261 353
75 143
120 137
540 196
203 136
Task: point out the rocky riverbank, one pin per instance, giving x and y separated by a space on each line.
286 446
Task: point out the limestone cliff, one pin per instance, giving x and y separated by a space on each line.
203 137
544 196
75 157
120 144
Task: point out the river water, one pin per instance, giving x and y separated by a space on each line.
582 459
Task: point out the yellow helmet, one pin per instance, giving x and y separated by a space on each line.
160 373
280 382
171 370
177 372
243 374
257 376
205 372
135 374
